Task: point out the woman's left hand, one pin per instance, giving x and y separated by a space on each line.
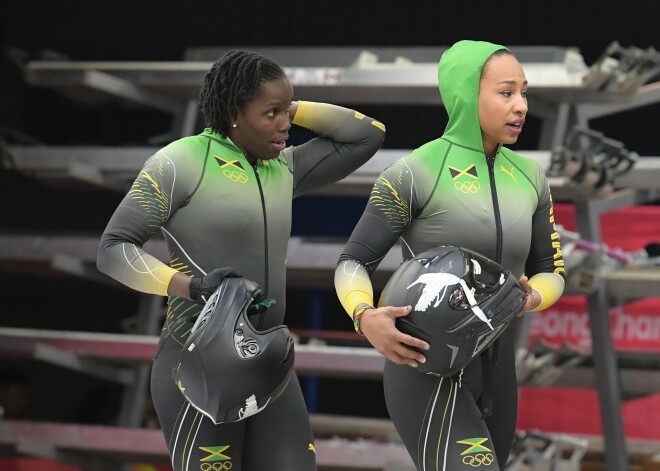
533 299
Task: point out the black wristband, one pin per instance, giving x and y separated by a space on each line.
195 287
202 287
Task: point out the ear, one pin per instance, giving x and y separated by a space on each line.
233 121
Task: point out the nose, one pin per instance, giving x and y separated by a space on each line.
520 106
283 123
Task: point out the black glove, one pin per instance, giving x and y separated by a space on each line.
202 287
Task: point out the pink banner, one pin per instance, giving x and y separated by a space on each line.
635 327
577 411
629 228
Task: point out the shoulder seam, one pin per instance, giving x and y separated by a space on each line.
531 182
437 180
201 176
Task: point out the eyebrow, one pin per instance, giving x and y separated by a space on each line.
511 82
275 104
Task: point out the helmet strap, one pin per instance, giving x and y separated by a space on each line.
473 304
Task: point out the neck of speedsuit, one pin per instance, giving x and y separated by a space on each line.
459 74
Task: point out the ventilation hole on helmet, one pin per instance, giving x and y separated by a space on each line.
458 300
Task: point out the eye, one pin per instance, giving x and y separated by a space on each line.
506 93
524 93
272 113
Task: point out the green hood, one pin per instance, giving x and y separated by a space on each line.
459 72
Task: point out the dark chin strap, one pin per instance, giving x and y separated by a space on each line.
488 362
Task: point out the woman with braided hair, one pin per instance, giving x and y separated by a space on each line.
223 201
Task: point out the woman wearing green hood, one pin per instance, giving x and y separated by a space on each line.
463 189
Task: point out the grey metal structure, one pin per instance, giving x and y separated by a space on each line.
86 445
365 443
565 92
114 168
348 75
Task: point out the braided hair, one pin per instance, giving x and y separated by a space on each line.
233 81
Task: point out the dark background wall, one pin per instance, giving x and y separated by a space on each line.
163 30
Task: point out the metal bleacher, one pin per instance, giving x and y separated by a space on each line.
342 441
564 92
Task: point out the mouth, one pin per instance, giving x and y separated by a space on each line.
516 126
280 144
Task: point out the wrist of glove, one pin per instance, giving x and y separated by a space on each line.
202 287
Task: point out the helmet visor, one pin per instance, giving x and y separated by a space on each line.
485 275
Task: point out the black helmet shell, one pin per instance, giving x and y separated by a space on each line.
227 369
462 301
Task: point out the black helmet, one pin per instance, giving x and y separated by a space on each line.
462 301
228 370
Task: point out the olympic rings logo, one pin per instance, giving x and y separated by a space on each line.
479 459
217 466
235 176
467 187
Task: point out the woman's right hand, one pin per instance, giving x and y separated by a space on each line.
379 326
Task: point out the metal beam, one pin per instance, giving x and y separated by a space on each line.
646 95
54 249
82 364
354 75
310 263
148 445
75 266
634 381
608 379
138 445
117 167
629 283
21 343
94 83
330 361
345 56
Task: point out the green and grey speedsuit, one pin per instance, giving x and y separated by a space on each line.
214 209
447 192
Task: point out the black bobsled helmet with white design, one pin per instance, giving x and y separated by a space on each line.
227 369
462 301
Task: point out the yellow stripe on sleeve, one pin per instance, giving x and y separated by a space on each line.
550 286
165 278
303 117
353 285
